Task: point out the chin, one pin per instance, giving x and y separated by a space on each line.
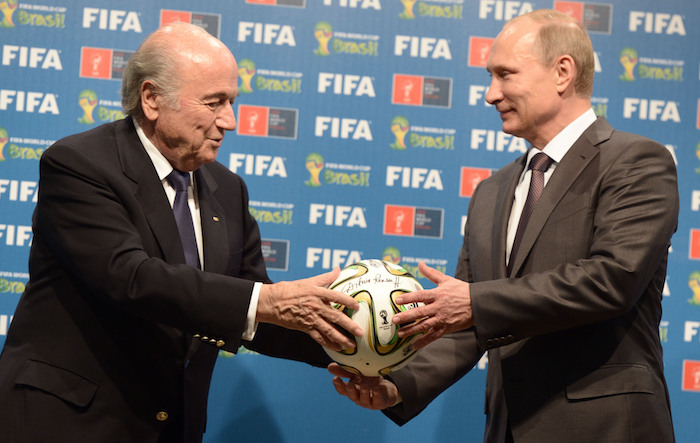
509 129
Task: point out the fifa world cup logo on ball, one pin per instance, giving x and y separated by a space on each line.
246 72
314 164
628 60
323 32
87 100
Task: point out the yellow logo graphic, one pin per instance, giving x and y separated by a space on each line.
87 100
628 60
8 8
400 127
694 284
314 164
392 255
323 32
407 13
4 138
246 72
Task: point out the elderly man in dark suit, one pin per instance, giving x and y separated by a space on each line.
136 282
568 302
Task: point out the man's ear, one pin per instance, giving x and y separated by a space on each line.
566 72
149 102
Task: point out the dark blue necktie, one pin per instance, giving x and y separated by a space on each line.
539 165
183 217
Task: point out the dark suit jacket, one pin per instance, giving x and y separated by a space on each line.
573 340
98 344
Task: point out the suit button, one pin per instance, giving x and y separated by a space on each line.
220 343
162 416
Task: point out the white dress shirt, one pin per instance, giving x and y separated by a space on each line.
555 149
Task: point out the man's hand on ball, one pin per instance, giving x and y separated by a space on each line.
447 308
305 305
368 392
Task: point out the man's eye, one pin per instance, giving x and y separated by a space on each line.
212 105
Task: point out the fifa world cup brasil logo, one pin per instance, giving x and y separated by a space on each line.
314 164
88 101
694 285
8 8
399 126
4 138
246 72
392 255
628 59
407 13
323 32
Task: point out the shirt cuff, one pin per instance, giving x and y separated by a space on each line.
250 324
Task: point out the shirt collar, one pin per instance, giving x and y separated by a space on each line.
162 165
562 142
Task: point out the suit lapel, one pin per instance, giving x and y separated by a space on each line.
213 223
504 204
148 190
574 162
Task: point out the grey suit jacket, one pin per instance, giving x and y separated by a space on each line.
572 340
101 337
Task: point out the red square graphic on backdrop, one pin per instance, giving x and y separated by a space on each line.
691 375
96 62
168 16
479 50
469 178
398 220
694 244
573 9
253 120
408 90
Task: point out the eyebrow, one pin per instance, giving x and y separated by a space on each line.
220 95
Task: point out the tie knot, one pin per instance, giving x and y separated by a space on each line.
540 162
179 180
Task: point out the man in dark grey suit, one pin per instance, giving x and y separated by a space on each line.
570 316
116 336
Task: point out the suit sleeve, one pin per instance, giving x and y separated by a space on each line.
435 368
93 225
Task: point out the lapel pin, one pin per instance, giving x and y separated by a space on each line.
215 218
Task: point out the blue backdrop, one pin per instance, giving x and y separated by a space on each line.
362 133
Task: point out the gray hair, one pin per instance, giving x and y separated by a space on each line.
155 61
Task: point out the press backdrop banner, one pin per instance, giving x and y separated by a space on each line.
362 131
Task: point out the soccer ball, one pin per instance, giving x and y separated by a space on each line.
375 284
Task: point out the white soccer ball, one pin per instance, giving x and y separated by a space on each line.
375 284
